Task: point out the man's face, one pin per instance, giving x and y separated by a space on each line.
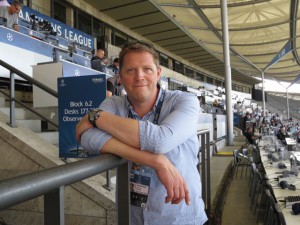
15 9
100 54
139 76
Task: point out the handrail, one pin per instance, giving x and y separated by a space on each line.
30 109
28 78
51 182
25 187
22 188
204 168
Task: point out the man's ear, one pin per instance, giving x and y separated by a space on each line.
158 72
120 78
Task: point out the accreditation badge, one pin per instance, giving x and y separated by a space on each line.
139 186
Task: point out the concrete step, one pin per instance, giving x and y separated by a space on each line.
20 113
26 118
50 136
34 125
2 101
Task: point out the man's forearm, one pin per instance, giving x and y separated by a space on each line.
167 173
132 154
125 130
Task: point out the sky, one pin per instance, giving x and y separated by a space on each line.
271 85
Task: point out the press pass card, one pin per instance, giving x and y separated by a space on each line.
139 186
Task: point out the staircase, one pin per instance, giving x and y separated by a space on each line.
27 119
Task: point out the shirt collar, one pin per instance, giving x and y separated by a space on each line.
130 107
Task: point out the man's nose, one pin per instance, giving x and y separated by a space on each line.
140 73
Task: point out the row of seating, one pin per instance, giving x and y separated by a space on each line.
280 104
262 199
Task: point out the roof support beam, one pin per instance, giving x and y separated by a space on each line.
228 82
293 27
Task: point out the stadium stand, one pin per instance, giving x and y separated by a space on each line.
213 118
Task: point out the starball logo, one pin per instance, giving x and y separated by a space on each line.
62 83
10 37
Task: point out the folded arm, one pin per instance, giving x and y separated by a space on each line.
144 134
167 173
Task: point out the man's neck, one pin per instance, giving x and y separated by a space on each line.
145 107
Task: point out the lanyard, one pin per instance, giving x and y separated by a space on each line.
157 110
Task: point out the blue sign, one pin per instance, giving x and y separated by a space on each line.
76 96
63 30
285 50
71 69
20 40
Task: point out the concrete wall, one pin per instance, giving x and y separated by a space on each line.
22 151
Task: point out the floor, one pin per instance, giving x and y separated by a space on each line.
236 208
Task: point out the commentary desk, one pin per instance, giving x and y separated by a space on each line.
273 172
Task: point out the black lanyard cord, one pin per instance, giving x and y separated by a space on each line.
157 110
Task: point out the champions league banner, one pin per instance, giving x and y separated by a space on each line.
76 96
60 28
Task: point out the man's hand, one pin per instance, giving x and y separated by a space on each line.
82 126
166 172
174 183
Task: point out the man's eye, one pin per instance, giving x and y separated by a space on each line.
130 70
148 70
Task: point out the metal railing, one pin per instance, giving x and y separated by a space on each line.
204 168
51 183
14 71
48 90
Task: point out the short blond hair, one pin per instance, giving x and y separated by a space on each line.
138 46
16 3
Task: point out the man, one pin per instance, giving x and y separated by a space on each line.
115 66
157 131
246 119
98 62
249 134
11 14
215 103
118 89
298 137
109 88
282 134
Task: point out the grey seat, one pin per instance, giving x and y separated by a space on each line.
273 215
240 160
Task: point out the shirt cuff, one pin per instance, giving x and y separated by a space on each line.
94 139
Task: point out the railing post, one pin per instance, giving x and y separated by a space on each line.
108 181
123 195
208 194
54 207
12 99
205 170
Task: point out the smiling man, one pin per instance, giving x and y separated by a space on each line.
156 130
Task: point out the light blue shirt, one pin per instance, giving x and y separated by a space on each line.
175 136
12 19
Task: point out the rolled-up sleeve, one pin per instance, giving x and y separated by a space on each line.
94 139
178 122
